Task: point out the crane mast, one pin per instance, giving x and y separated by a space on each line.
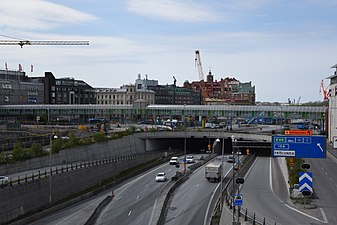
21 43
325 93
198 65
201 77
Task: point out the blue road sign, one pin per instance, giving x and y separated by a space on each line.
238 199
305 181
299 146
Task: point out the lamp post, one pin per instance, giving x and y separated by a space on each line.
222 168
184 140
50 169
52 136
233 177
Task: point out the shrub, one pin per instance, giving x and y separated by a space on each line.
37 149
57 145
18 152
294 167
99 137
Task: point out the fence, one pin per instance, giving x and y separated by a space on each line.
68 167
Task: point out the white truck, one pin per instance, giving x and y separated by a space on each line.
213 171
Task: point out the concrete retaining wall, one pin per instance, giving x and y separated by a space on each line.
124 146
34 196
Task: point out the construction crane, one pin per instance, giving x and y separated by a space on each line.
201 76
27 42
324 91
198 65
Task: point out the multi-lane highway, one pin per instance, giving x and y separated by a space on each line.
265 193
192 201
135 202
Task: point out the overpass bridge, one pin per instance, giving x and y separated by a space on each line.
126 113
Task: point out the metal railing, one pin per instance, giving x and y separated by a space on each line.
58 169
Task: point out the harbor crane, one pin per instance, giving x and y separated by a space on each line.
21 43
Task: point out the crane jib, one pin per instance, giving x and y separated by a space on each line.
26 42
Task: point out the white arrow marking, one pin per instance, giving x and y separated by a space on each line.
305 185
319 145
305 175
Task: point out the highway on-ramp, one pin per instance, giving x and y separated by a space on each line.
265 193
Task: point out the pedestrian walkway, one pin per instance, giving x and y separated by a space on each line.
227 217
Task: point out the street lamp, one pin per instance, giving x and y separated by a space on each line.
222 168
50 167
233 177
184 140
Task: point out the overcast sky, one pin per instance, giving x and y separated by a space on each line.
284 47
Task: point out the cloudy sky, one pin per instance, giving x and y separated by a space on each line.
284 47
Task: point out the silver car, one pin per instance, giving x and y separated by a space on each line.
3 180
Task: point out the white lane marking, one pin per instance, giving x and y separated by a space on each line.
296 210
137 197
270 177
123 188
210 200
325 219
332 157
153 209
129 213
304 214
119 197
197 185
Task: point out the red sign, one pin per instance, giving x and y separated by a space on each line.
298 132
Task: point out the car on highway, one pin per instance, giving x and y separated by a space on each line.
190 159
3 180
230 159
174 160
161 177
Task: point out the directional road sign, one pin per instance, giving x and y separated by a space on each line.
305 181
238 199
299 146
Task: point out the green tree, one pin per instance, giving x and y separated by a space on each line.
57 145
18 152
37 149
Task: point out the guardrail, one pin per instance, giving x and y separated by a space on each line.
248 215
68 167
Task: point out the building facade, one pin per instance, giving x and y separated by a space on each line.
225 91
125 95
18 89
332 119
67 91
172 95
